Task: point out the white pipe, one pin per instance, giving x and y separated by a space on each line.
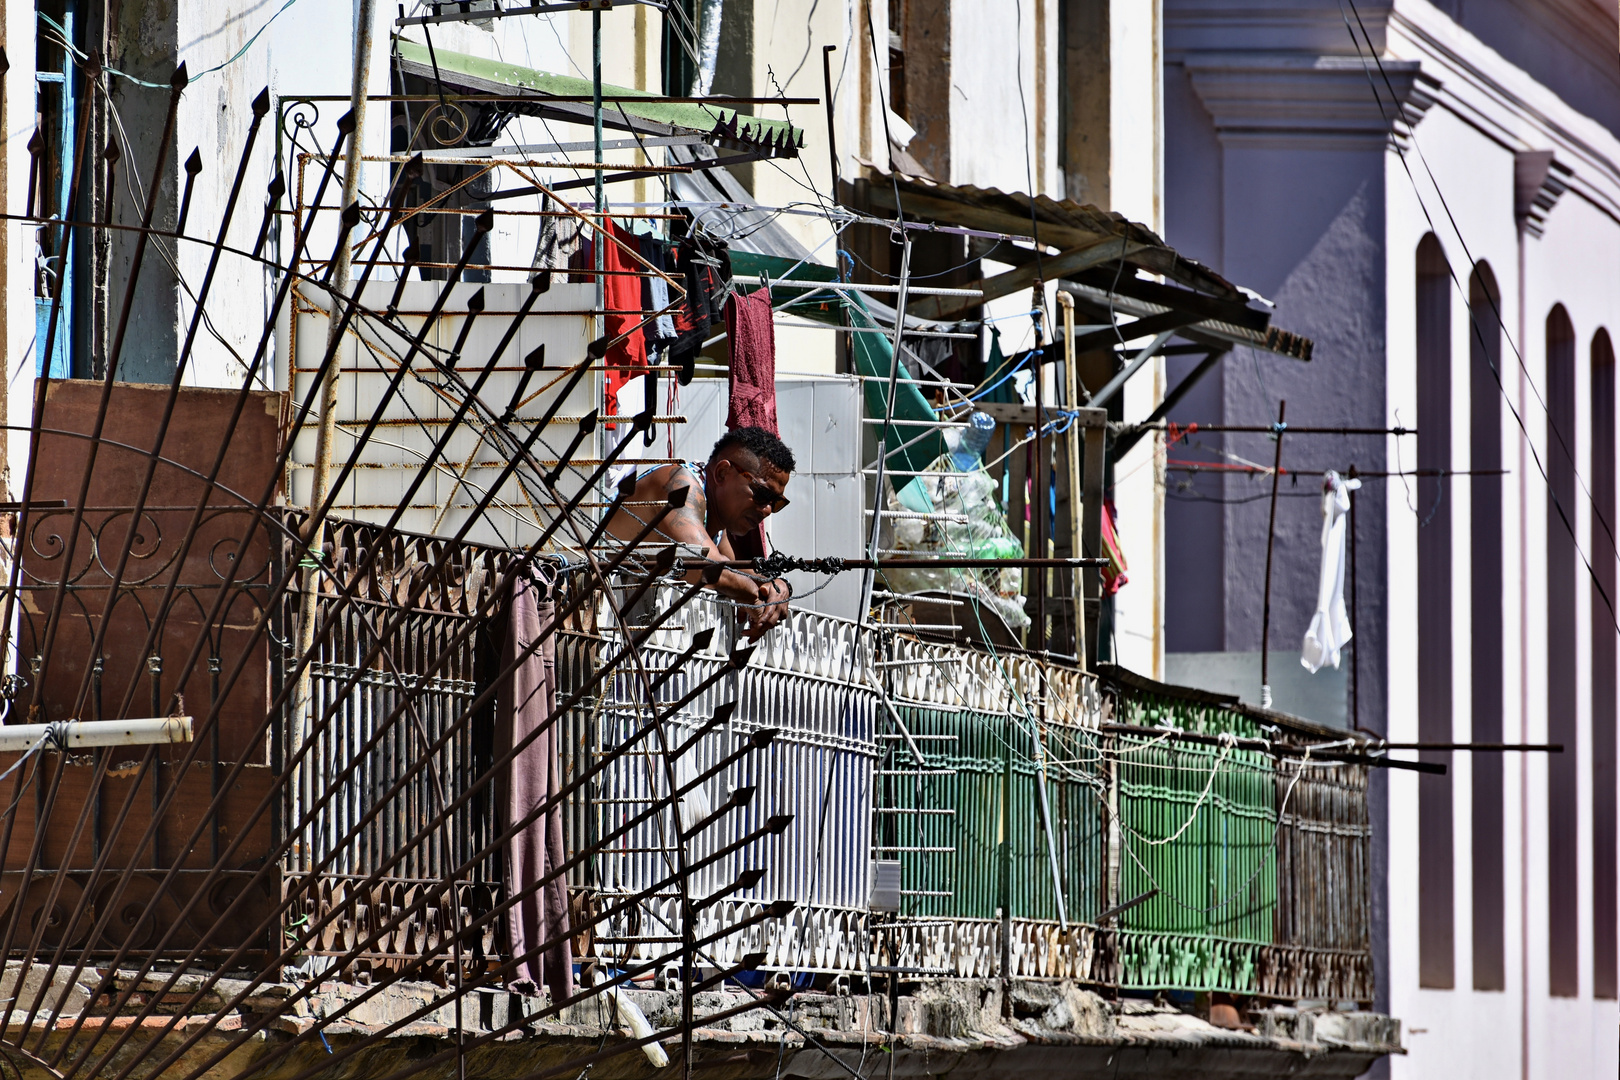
326 431
77 733
635 1023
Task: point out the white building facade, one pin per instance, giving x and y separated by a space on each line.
1432 191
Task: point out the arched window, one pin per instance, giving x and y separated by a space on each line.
1485 632
1605 677
1563 808
1435 853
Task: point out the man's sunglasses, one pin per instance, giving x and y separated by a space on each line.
762 494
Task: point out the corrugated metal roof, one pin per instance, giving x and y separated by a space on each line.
728 128
1089 236
1063 223
1267 338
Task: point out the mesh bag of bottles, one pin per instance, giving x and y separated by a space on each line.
966 522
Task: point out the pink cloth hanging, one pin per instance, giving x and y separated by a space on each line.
526 700
753 361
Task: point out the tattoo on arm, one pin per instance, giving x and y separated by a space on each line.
691 516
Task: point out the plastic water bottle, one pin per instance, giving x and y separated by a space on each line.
969 450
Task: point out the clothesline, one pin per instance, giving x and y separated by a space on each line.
1175 432
840 214
1262 470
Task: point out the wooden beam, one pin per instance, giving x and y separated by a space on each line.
1008 413
1091 488
1094 253
1236 312
1153 324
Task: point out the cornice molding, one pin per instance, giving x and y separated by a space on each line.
1284 99
1539 179
1509 106
1299 26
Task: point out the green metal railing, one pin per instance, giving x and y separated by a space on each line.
1260 862
1256 864
944 818
1199 824
1003 783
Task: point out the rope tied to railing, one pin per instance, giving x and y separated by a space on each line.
30 752
778 563
1228 743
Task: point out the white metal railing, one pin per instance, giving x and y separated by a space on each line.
818 681
811 681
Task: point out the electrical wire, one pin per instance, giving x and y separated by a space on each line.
1524 431
61 34
1029 148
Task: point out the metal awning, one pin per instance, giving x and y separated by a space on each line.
1147 300
1098 254
567 99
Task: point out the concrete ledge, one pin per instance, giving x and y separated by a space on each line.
954 1027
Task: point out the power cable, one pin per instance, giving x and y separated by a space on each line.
1496 373
1029 150
145 84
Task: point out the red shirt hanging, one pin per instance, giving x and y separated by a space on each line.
622 294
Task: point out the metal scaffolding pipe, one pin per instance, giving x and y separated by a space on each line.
71 735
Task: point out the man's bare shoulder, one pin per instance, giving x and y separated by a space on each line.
653 487
667 478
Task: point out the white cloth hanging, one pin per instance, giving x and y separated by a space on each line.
1330 627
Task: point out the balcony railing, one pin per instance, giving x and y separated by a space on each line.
948 811
1265 889
991 783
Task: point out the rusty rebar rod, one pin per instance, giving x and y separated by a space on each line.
1366 756
271 795
1217 468
261 106
399 784
270 713
59 596
239 405
53 619
1184 430
1271 541
1475 747
92 72
772 827
512 830
200 510
837 565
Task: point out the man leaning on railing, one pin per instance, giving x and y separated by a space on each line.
728 500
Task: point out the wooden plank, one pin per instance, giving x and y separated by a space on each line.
185 810
1091 485
951 212
1065 603
1149 326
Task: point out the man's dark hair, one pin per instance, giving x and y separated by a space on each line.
759 442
